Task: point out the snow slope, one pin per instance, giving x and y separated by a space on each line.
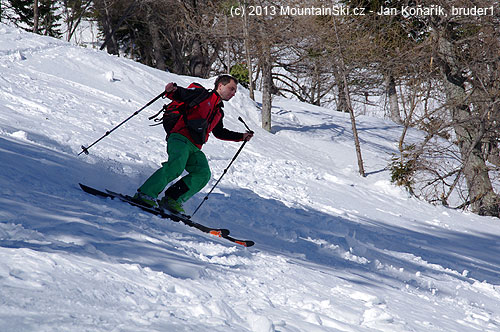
334 252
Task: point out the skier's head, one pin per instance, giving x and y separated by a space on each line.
226 86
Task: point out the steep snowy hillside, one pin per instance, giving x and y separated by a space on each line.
334 251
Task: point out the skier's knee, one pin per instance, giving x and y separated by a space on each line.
172 169
205 176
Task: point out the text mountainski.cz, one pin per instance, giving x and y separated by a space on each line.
278 10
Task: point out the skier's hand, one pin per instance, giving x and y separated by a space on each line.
170 87
247 136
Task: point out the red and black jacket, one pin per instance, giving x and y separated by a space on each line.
209 109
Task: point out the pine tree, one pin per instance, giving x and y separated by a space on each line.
49 17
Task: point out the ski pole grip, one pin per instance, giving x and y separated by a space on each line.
241 120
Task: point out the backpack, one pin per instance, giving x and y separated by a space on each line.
176 110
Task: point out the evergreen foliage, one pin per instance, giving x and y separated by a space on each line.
49 16
403 169
240 71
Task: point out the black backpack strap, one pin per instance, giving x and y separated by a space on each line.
205 94
164 109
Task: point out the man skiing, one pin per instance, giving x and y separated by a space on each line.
184 145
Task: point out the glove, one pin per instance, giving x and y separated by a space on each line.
247 136
170 87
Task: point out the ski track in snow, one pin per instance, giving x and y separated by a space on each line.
334 252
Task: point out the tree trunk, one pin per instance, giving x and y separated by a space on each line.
176 50
483 199
36 16
344 105
492 152
110 41
246 34
228 52
357 146
341 98
156 41
342 73
198 62
266 91
316 84
393 100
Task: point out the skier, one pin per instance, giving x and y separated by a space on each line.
184 145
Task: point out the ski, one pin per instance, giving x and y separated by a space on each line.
163 214
219 232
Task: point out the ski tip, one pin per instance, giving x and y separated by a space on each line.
86 188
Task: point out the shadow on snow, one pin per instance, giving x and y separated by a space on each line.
43 209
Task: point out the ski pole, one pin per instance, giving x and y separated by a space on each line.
86 149
225 171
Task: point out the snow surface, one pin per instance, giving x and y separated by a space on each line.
334 251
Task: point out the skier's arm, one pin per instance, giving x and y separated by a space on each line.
228 135
181 94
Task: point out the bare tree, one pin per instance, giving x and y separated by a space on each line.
270 35
462 55
343 76
267 77
35 16
470 82
393 99
248 55
74 11
105 18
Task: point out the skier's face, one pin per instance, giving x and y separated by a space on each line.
227 91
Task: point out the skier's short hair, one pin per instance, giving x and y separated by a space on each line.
224 79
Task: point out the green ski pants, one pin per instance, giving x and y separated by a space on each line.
182 155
